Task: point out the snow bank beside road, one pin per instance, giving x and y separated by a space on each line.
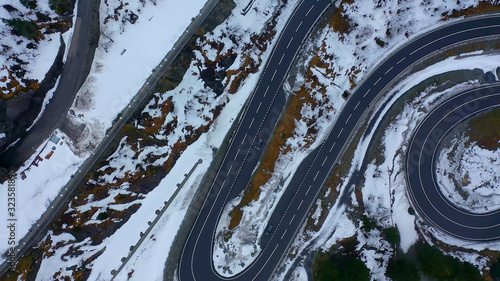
384 191
127 54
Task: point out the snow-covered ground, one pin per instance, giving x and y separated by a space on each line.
108 89
19 51
172 119
475 171
346 57
126 56
384 191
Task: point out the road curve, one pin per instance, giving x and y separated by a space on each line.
38 231
420 167
71 79
257 122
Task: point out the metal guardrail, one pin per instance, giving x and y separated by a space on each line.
152 224
39 229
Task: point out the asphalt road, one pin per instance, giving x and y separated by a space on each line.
39 230
258 121
71 79
420 167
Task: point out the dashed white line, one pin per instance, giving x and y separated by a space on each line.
377 81
237 153
281 58
289 43
332 147
324 161
291 220
273 75
244 138
357 105
389 69
229 171
265 93
367 93
309 10
251 123
298 27
401 60
341 130
283 234
300 204
258 107
316 175
222 185
307 191
348 118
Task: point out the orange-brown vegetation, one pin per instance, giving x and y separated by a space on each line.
484 130
340 23
14 87
154 124
482 7
285 128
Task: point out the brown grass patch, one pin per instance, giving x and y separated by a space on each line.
284 130
482 7
14 87
484 130
339 22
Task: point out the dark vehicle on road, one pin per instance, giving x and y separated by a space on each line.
269 229
258 144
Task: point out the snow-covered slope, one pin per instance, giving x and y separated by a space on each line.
472 170
356 39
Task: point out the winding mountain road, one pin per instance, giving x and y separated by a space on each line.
420 166
257 124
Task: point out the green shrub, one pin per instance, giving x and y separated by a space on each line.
30 4
402 270
343 269
102 216
392 235
24 28
369 224
434 263
328 271
59 6
495 270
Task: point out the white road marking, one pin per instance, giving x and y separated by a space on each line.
283 234
272 253
289 43
308 189
298 27
401 60
273 75
251 123
324 161
348 118
300 204
309 10
341 130
244 138
229 169
316 175
367 93
377 81
282 58
332 147
389 69
291 220
237 153
258 107
265 93
357 105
